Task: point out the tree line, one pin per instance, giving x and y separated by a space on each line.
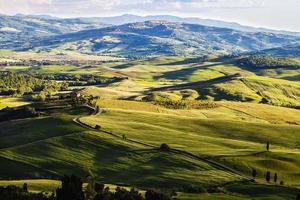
259 61
72 189
19 84
78 79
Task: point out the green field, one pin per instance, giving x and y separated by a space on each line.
12 102
235 138
211 147
71 147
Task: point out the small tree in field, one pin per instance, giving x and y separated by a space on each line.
281 183
254 173
275 178
98 127
25 187
165 147
268 176
268 146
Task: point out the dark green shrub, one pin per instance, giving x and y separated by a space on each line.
195 189
164 147
268 176
254 173
155 195
98 127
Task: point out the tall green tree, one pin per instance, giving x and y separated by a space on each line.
275 178
254 173
268 176
268 146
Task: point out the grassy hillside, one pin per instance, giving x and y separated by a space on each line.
12 102
67 148
213 143
231 136
222 134
211 78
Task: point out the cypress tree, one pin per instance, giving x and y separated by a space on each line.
25 187
254 173
268 176
275 178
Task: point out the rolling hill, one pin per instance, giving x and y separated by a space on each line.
128 18
21 28
213 148
162 38
285 51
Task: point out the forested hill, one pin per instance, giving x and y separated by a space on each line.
269 62
22 28
159 38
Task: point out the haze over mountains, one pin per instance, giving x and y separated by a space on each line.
127 18
131 35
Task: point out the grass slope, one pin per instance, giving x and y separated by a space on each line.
235 138
68 148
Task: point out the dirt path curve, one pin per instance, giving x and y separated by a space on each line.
212 163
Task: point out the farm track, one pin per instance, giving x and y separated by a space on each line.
212 163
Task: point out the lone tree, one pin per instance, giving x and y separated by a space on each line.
268 176
165 147
98 127
25 187
268 146
275 178
281 183
254 173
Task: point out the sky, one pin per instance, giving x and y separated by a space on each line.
276 14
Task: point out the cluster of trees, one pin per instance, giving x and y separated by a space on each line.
18 85
40 63
79 99
18 113
72 189
268 173
269 62
17 193
78 79
268 177
186 104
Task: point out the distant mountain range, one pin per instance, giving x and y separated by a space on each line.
23 28
163 38
170 36
124 19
